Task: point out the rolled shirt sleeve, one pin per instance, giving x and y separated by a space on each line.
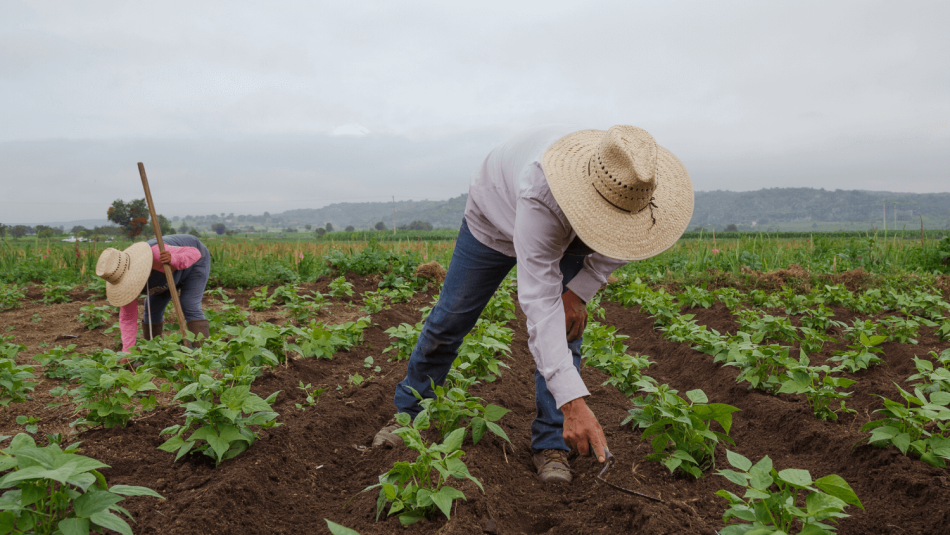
593 276
539 240
182 257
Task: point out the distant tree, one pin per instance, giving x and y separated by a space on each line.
3 230
219 228
251 228
176 219
44 232
417 225
18 231
321 231
380 226
77 229
349 228
308 226
329 227
731 228
163 224
132 217
183 229
194 232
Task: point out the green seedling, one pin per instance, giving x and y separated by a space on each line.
368 364
221 421
260 301
374 302
57 293
918 425
416 490
453 408
820 388
860 356
480 349
404 338
771 502
763 367
356 379
903 330
679 431
59 492
36 318
340 288
109 394
29 423
10 296
693 297
15 379
933 378
819 319
312 396
501 307
93 317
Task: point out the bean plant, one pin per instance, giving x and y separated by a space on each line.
93 317
454 408
260 301
820 388
57 293
416 490
15 379
772 500
404 338
10 296
480 349
56 491
919 425
339 287
679 430
861 355
221 420
934 378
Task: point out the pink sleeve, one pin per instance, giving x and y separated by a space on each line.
129 324
182 257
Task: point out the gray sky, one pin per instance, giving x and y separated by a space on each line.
250 106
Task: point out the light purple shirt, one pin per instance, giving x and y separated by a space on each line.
511 209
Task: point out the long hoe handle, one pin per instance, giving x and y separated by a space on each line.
161 248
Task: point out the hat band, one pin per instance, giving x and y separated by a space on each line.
116 275
651 205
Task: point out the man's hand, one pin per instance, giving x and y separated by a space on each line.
575 315
582 428
165 257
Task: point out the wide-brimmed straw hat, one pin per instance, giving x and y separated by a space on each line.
626 197
125 272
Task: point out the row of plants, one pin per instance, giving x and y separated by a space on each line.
680 433
769 367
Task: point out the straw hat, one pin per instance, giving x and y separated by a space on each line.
125 272
626 197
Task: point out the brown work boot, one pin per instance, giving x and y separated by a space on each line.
154 332
386 438
198 327
552 466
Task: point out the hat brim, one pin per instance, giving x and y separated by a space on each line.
133 280
609 230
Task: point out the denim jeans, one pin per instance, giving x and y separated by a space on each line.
190 282
475 273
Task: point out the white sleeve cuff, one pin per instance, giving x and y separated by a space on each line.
584 284
567 386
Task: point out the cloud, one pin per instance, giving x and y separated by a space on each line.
812 93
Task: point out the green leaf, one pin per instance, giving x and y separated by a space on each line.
234 397
495 428
735 477
443 501
493 413
454 440
111 521
93 502
254 403
902 441
337 529
131 490
70 526
421 422
218 444
836 486
697 396
172 444
478 429
796 477
738 461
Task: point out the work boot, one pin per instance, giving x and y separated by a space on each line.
154 332
198 327
386 438
552 466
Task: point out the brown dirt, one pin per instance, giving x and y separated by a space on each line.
431 270
315 465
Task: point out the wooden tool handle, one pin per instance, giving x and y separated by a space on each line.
161 248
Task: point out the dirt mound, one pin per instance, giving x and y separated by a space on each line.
431 270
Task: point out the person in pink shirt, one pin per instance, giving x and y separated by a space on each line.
139 270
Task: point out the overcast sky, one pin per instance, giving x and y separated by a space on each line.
251 106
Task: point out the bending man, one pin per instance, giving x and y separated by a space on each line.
567 209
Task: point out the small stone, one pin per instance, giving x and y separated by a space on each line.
489 526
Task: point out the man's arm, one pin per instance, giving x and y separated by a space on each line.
539 238
593 276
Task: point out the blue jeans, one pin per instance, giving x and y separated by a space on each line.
475 273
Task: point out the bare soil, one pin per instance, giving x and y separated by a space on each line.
315 465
